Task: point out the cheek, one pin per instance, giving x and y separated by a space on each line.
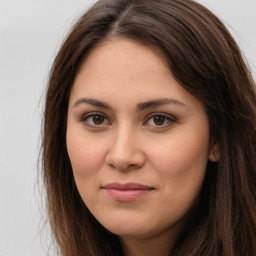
180 156
86 159
181 164
86 155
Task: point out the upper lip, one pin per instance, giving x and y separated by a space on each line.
127 186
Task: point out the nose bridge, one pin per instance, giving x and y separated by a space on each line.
125 134
125 152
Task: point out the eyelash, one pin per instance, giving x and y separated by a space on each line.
85 118
167 118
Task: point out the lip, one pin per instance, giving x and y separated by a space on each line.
127 192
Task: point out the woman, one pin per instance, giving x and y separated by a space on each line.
149 134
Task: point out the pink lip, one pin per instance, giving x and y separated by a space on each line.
127 192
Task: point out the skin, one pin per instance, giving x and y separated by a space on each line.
128 141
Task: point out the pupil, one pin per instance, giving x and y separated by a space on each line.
98 119
159 120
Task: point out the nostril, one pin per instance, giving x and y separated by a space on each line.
125 168
126 162
125 153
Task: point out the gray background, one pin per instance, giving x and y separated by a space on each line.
30 35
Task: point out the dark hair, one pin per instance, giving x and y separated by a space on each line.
206 61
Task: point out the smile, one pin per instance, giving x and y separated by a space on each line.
127 192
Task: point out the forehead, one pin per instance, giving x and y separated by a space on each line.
129 71
121 61
118 54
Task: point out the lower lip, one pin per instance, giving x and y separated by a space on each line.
127 194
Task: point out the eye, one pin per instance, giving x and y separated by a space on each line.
160 120
95 119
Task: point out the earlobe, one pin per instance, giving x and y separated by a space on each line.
214 153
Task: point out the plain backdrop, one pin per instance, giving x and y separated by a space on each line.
30 35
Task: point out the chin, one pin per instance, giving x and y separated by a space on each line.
131 232
127 228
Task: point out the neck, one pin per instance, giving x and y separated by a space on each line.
160 245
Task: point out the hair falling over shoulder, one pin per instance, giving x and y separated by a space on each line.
206 61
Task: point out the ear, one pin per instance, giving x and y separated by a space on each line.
214 152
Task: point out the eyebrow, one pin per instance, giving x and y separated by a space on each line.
158 102
140 106
94 102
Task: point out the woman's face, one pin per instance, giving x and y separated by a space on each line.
138 142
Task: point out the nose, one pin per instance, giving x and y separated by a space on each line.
126 152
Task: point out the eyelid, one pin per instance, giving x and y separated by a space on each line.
161 114
91 114
168 117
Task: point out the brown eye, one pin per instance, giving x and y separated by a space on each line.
98 120
95 120
159 120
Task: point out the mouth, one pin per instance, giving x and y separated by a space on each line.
128 191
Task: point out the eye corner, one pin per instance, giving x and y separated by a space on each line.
159 120
95 120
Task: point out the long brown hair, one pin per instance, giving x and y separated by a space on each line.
206 61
